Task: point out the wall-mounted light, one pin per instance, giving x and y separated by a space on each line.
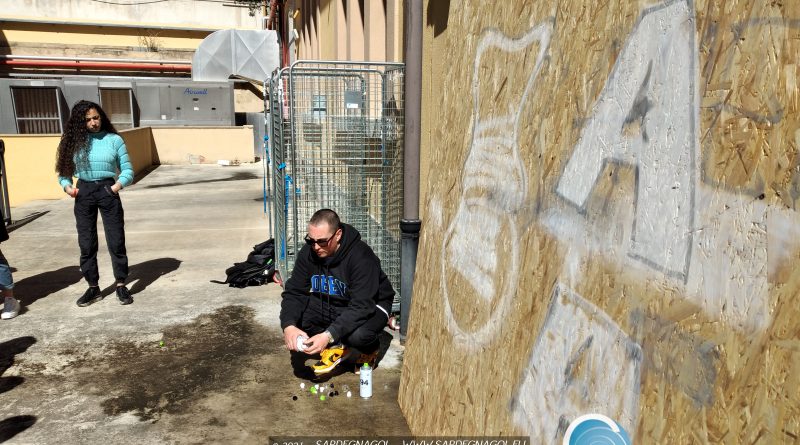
296 13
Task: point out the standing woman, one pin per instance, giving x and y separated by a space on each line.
91 150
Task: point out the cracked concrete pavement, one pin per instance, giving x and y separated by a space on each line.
190 361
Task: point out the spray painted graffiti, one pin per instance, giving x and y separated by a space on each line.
719 255
646 117
709 242
581 363
494 189
686 361
729 278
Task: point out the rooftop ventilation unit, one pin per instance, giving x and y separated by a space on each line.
250 54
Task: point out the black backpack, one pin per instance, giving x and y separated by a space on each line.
257 270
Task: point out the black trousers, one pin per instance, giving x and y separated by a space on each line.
94 196
364 338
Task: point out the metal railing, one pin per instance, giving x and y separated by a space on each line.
6 207
336 142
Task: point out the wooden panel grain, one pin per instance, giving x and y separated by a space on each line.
601 174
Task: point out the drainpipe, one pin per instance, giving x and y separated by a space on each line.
272 6
410 224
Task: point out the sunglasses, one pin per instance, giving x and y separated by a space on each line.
320 242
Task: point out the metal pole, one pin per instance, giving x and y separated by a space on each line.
410 224
4 185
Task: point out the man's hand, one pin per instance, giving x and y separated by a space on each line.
71 191
317 343
290 334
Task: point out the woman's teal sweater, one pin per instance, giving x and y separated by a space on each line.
107 155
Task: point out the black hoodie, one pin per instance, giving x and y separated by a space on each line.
348 285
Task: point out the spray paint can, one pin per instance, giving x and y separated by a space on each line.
301 342
365 377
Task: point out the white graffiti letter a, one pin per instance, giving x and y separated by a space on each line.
646 117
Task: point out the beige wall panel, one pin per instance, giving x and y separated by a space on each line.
247 99
327 28
317 35
375 31
610 205
394 31
193 145
306 30
341 30
355 31
141 148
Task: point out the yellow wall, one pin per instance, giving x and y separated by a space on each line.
141 148
30 168
193 145
30 159
21 32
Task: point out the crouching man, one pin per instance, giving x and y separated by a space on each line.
338 299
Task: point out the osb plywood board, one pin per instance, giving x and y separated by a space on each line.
611 199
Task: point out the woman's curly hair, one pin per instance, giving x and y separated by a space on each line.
75 137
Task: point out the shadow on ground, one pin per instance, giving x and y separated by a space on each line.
146 273
238 176
12 426
36 287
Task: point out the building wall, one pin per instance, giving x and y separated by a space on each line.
30 163
85 28
124 36
30 159
30 168
203 145
141 148
344 30
55 38
185 13
610 196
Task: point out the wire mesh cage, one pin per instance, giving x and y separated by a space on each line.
337 142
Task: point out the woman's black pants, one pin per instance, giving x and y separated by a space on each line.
94 196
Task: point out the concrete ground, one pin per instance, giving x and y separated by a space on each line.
100 374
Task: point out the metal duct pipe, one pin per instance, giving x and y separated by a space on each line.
410 224
95 63
76 64
94 59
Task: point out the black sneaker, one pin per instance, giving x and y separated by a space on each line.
92 295
124 295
